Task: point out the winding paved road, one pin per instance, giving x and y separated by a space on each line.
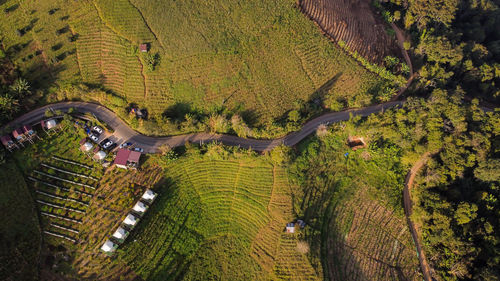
122 132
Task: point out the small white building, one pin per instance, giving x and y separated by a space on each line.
48 124
290 228
149 195
130 220
109 246
86 147
100 155
140 207
120 233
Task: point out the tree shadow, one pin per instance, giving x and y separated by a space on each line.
41 75
178 111
318 96
315 104
11 8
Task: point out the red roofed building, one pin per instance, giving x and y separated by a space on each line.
133 159
126 158
28 130
18 134
122 158
8 142
143 48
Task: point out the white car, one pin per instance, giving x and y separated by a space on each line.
97 129
94 138
138 149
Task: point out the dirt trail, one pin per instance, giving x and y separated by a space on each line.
408 204
401 39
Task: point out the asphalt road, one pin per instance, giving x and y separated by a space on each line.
122 132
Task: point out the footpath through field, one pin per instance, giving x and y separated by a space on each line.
152 144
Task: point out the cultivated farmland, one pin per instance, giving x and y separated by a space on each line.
367 242
355 24
219 219
259 56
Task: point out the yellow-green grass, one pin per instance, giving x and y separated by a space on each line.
261 56
20 231
210 221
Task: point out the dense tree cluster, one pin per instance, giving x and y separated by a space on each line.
458 193
457 52
457 43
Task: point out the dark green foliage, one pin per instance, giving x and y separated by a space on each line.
19 229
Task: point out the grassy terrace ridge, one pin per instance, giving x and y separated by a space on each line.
260 59
218 218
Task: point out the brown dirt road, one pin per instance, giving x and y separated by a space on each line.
408 205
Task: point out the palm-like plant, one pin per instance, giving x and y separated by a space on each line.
20 87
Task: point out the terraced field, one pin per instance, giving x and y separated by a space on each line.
210 205
260 57
354 23
367 242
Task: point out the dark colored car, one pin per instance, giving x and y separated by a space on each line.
111 147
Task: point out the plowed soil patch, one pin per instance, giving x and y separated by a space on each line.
355 23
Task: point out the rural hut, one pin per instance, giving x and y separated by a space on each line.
130 220
144 47
100 155
86 147
120 234
122 158
301 223
140 207
149 195
28 131
109 246
290 227
355 142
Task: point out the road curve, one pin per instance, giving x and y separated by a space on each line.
151 144
408 207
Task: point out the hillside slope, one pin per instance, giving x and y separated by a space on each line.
259 57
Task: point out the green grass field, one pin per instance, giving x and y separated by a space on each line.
217 219
258 56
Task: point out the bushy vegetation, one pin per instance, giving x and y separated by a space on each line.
456 43
20 237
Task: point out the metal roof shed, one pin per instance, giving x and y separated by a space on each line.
122 157
130 220
149 195
120 234
109 246
140 207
